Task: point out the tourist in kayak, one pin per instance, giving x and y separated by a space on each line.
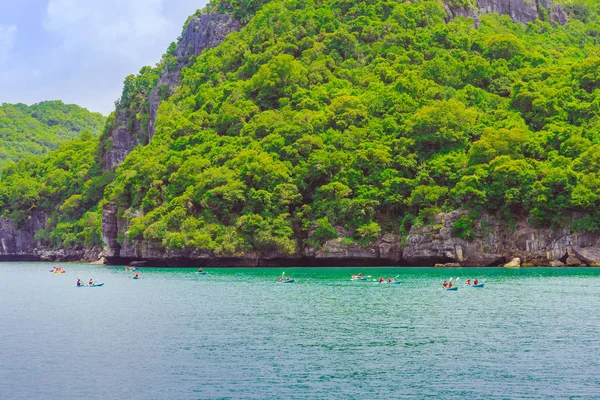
381 279
445 284
200 270
79 283
137 274
390 280
91 282
468 282
360 275
475 282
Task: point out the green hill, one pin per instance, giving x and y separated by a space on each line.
368 117
37 129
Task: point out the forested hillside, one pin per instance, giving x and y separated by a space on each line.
37 129
336 117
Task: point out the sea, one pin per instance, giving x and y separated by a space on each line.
239 334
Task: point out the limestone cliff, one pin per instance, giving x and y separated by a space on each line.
202 32
127 131
496 243
522 11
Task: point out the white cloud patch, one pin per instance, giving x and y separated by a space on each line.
80 51
124 27
8 35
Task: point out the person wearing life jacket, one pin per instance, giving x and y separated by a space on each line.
381 279
200 270
287 278
279 280
445 284
390 280
353 276
360 275
475 282
468 282
91 282
137 274
450 284
79 283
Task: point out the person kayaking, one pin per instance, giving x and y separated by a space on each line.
450 284
468 282
91 282
475 282
79 283
445 284
360 275
137 274
390 280
287 278
200 270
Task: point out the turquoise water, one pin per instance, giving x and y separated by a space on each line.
235 333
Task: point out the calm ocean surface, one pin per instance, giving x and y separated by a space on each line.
235 333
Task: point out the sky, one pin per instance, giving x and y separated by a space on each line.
80 51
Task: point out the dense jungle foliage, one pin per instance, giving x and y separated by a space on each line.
373 116
37 129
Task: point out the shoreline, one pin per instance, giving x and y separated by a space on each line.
347 266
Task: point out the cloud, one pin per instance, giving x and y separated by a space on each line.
80 51
124 27
8 34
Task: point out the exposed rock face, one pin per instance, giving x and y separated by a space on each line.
387 250
515 263
522 11
495 243
589 255
110 230
15 243
202 32
122 141
20 244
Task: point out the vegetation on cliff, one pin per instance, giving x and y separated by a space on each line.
373 116
37 129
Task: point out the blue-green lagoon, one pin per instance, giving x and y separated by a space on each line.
236 333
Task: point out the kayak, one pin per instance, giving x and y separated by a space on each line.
136 277
94 285
61 272
288 281
201 273
452 288
389 283
479 285
359 279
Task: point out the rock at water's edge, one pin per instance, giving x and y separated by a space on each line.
515 263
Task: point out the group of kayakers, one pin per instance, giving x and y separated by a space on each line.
389 280
287 278
357 276
80 283
57 270
448 285
128 268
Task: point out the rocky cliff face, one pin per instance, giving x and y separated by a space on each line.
496 243
202 32
20 244
522 11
